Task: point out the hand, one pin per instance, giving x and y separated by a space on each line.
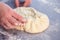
25 4
9 18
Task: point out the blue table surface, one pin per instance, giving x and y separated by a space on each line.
48 7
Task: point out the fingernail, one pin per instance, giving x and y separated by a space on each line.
19 23
24 20
16 24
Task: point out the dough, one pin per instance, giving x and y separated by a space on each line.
36 21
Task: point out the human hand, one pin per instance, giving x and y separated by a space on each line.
26 3
9 18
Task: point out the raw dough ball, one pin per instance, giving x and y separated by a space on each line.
36 21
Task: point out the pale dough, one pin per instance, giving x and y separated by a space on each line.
36 21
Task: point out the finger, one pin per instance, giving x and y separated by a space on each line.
19 18
17 3
22 25
2 24
8 25
13 21
27 3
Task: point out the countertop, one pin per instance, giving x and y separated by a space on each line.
52 9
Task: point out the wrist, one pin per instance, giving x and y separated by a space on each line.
4 7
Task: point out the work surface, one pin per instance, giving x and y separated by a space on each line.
50 8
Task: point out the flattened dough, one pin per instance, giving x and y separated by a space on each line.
36 21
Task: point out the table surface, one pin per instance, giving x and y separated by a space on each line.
48 7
